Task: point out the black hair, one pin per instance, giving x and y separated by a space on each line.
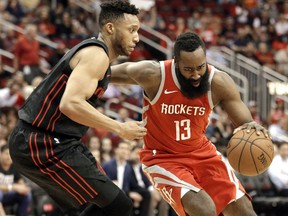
111 11
188 41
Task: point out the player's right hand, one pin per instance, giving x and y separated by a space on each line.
132 130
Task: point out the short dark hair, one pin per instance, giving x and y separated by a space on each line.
111 11
189 42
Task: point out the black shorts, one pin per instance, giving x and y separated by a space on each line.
62 166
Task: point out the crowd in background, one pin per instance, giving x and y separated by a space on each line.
256 29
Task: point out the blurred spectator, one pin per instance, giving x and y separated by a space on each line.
279 130
242 11
157 205
79 32
122 174
242 40
279 43
194 22
9 40
106 149
209 20
123 115
212 131
281 58
94 143
72 8
250 51
271 5
4 75
152 19
229 32
13 189
281 26
278 170
277 112
12 117
26 52
88 20
56 13
97 154
264 56
45 26
262 21
181 26
11 96
27 89
64 28
15 9
214 53
3 9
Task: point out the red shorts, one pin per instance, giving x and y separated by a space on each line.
173 175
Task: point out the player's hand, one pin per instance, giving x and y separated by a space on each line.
132 130
250 125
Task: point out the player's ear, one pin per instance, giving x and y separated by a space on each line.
109 28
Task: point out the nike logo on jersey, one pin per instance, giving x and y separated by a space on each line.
169 92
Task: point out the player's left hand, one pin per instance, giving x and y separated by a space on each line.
250 125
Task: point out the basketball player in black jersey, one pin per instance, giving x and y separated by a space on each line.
45 145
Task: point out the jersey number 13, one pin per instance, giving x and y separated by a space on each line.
183 129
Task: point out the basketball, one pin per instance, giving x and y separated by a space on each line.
250 154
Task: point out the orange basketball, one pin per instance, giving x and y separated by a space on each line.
250 154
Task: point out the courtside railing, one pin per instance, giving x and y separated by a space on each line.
265 84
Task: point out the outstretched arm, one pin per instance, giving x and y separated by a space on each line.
144 73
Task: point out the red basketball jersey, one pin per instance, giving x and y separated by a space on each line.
175 123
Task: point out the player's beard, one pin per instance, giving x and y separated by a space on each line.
187 88
119 47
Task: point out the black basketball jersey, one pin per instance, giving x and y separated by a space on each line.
41 109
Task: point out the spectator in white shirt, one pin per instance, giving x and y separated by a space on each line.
10 96
278 170
279 130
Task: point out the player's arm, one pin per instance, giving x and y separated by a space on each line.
144 73
226 94
82 84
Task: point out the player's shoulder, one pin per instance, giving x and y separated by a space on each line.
221 77
92 53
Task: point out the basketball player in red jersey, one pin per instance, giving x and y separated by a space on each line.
180 161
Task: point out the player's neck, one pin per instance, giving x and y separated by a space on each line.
111 52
